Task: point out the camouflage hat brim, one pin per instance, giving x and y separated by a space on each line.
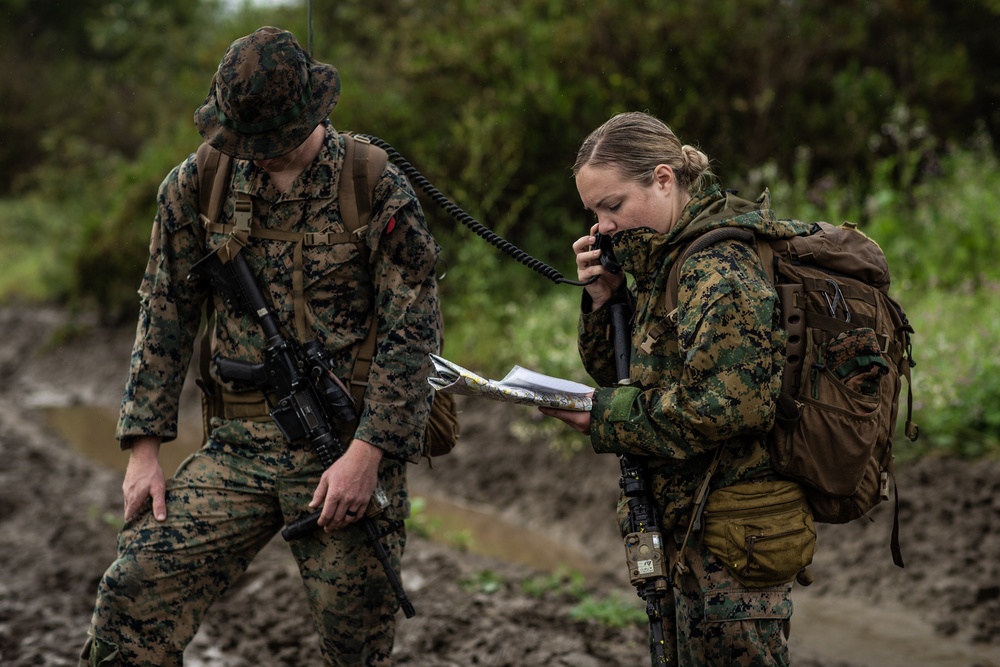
267 97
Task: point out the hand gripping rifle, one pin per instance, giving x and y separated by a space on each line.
306 400
644 556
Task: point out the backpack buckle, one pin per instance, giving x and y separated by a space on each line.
359 233
242 212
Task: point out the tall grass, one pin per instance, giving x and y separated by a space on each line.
31 237
956 380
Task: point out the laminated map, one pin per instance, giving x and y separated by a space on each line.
520 385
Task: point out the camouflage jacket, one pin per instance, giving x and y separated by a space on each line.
710 380
391 278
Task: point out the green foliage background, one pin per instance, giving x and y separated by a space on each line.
883 111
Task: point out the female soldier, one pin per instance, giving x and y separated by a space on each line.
701 389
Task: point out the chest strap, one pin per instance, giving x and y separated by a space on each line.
242 230
362 169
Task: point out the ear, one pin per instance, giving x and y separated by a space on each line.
663 177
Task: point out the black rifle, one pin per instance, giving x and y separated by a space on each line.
648 569
306 400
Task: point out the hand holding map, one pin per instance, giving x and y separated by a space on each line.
520 385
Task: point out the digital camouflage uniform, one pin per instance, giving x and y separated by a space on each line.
709 381
227 500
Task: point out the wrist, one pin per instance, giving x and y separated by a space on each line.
365 451
144 447
597 304
589 303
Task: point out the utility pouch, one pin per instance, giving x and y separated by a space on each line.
855 359
442 426
762 531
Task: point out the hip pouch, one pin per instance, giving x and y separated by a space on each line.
762 531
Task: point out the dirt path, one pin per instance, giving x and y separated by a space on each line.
497 490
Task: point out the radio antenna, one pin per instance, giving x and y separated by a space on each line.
309 4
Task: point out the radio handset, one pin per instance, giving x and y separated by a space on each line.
607 257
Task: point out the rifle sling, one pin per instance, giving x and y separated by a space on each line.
362 167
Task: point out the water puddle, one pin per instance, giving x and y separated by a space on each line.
862 635
90 431
481 532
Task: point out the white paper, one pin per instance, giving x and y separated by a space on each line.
521 386
524 378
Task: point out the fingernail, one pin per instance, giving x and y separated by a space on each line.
161 517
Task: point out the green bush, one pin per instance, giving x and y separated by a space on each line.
956 381
946 233
30 240
107 255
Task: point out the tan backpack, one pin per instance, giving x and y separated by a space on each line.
363 166
848 350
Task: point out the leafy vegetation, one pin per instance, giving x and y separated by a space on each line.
483 581
956 381
421 522
562 581
615 611
827 105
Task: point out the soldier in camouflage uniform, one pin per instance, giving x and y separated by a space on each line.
704 389
186 539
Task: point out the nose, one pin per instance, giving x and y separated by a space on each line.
606 225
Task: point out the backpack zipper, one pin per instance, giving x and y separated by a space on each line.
752 540
771 509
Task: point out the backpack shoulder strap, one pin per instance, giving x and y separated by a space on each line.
213 187
705 240
670 294
363 166
213 180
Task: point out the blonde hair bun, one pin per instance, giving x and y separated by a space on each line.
695 162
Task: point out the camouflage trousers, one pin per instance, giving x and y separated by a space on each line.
713 620
224 504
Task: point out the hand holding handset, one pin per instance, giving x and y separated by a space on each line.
603 243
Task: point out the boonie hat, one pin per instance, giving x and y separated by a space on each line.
267 96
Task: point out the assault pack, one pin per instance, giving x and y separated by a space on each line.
847 352
363 166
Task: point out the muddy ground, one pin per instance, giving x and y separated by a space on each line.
504 512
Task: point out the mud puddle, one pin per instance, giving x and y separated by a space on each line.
90 431
861 635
